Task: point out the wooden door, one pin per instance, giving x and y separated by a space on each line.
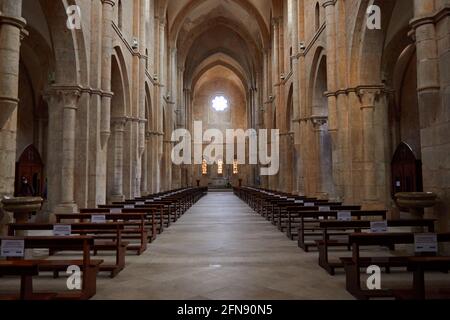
30 165
406 171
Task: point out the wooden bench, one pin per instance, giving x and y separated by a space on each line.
89 267
353 265
26 270
333 228
309 223
290 219
419 265
134 225
94 230
156 213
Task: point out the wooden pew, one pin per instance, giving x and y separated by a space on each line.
93 230
26 270
134 225
293 215
330 228
155 215
309 223
89 267
419 265
353 265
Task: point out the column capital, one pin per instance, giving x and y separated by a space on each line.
18 22
369 95
112 3
319 121
327 3
119 123
276 21
68 95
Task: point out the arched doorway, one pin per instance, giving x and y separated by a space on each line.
30 166
406 170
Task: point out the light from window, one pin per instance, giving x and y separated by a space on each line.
204 167
219 167
220 103
235 167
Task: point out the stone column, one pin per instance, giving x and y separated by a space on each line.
118 125
322 178
276 72
11 26
143 13
295 98
333 126
342 103
63 101
430 26
189 126
300 147
368 98
107 40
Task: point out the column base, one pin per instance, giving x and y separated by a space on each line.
66 208
117 198
373 205
322 196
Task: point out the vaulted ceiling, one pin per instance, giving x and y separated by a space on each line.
230 33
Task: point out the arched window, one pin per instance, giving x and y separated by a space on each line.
120 15
220 103
146 59
317 16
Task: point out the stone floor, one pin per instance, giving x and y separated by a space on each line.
220 249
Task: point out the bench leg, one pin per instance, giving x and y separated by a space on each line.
26 288
89 282
353 281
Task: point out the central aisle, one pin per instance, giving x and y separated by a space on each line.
221 249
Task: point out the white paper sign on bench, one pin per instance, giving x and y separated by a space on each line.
140 203
299 201
98 218
425 242
324 209
344 216
128 206
62 230
378 226
309 204
115 210
13 249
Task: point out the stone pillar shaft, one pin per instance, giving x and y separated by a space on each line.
118 135
107 39
368 98
11 26
333 121
65 99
